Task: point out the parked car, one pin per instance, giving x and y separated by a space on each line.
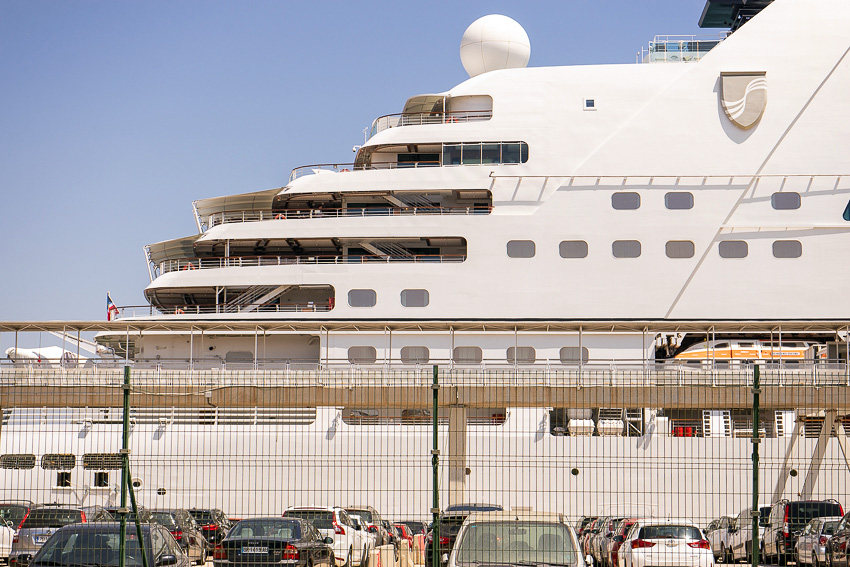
334 522
14 511
787 520
583 524
614 557
373 522
7 534
717 534
272 541
516 538
591 530
97 544
473 507
185 530
214 523
144 514
416 527
812 543
405 533
602 542
43 521
837 545
450 524
672 544
395 536
740 534
369 538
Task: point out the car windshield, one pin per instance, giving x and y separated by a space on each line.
88 547
669 531
278 529
474 508
365 515
829 527
451 526
516 542
13 513
51 518
801 513
322 519
164 519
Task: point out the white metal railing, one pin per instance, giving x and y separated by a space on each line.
678 48
325 168
189 264
292 214
425 118
336 372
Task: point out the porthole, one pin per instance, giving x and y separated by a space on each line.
785 201
573 355
625 201
521 355
626 248
467 355
161 491
573 249
679 200
415 355
787 249
415 298
733 249
362 298
521 249
679 249
137 483
362 355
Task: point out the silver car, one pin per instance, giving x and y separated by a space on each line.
45 520
811 545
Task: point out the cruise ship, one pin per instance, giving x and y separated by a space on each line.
531 227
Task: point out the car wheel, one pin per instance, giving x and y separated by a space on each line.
815 562
726 555
348 560
364 561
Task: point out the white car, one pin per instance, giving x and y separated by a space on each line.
368 539
516 538
717 534
336 523
7 532
811 545
666 544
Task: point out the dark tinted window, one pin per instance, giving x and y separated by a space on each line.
365 515
164 519
669 532
829 527
802 512
322 519
450 526
282 529
51 518
13 513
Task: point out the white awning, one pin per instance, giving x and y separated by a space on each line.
173 249
422 104
259 200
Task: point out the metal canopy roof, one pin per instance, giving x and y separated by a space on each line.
181 324
730 14
244 202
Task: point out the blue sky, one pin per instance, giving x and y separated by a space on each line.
114 116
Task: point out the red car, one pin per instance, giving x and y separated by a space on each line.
405 533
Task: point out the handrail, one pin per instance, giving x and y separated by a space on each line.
389 210
189 264
426 118
319 168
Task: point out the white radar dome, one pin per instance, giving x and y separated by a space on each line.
494 42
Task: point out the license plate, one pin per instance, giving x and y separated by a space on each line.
255 550
40 538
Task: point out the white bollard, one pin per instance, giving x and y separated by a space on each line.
405 559
387 553
419 549
374 558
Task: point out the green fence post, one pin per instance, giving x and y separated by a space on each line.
755 440
435 463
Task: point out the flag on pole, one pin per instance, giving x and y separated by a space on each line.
111 309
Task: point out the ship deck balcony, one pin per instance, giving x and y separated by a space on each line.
427 118
189 264
384 211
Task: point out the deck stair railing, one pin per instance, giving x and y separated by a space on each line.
248 297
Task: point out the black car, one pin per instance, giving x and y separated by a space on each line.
185 530
98 544
214 523
272 541
787 520
450 524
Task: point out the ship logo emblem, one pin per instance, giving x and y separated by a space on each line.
744 97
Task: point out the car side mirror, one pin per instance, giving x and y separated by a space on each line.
620 539
328 540
588 560
445 558
167 560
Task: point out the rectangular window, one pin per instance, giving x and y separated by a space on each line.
471 154
785 201
680 249
63 480
362 298
679 200
521 249
362 355
467 355
101 479
626 248
521 355
572 355
415 298
415 355
573 249
58 462
490 153
625 201
103 461
511 153
451 154
733 249
20 461
787 249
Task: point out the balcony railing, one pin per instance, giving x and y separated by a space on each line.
423 118
189 264
325 168
388 211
